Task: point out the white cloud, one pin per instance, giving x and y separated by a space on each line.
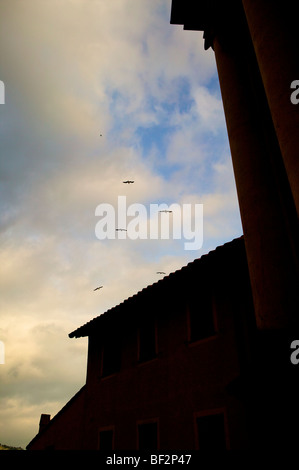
74 70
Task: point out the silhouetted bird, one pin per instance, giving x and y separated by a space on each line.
160 272
165 211
128 181
100 287
121 229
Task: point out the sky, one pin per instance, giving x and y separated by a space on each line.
96 92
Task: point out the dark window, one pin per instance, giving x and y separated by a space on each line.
147 339
106 440
148 436
211 432
50 447
111 357
201 317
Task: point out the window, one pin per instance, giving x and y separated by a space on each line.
148 436
211 432
111 357
106 439
147 339
201 316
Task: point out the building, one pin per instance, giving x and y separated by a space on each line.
164 365
239 375
255 45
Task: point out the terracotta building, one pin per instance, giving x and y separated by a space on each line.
202 358
164 365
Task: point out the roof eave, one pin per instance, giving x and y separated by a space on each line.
96 322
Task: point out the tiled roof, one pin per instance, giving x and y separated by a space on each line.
57 416
226 249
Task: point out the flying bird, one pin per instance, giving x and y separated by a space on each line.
160 272
165 211
100 287
121 229
128 181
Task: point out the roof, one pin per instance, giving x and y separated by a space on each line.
227 250
57 416
207 16
193 14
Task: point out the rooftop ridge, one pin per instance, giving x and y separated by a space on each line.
79 332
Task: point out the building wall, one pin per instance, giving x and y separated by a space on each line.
185 380
64 431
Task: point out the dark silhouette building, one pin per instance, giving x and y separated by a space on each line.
255 44
164 365
201 359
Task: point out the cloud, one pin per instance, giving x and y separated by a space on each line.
96 92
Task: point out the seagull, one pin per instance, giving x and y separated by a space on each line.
100 287
165 211
160 272
128 181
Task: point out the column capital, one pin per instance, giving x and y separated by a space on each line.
213 17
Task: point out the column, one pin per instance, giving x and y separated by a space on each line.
273 28
262 185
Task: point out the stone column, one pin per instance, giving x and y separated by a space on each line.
263 191
263 147
274 31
